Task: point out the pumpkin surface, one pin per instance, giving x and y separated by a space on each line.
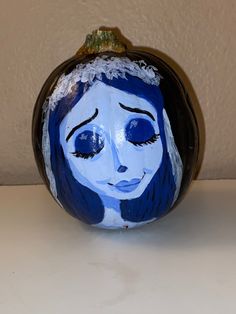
115 136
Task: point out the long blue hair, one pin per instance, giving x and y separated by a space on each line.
85 204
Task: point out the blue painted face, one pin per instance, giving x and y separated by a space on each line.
111 140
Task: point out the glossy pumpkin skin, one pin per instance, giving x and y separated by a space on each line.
89 207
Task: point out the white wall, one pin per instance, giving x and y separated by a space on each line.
37 35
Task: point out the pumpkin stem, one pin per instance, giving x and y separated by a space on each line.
101 41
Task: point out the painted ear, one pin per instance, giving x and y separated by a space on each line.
176 162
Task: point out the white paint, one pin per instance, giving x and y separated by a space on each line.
111 67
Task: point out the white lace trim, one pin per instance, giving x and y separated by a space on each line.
111 67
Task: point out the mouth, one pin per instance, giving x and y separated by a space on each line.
127 186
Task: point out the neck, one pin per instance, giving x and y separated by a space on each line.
110 202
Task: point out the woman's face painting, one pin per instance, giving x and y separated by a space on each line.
111 141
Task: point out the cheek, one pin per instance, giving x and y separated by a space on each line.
155 152
97 168
148 156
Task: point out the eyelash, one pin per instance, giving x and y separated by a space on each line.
83 155
152 140
86 156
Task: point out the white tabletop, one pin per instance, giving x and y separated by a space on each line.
184 263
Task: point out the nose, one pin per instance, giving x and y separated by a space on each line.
119 167
122 168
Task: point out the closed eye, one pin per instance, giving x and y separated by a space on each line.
140 132
88 144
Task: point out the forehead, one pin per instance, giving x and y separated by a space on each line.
102 96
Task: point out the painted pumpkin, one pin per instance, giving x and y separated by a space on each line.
114 135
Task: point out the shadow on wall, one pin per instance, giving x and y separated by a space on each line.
186 83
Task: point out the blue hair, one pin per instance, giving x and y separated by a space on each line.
85 204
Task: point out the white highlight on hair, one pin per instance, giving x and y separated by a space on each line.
47 157
176 162
111 67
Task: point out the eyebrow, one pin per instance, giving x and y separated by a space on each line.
81 124
137 110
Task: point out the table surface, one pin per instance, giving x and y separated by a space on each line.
184 263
